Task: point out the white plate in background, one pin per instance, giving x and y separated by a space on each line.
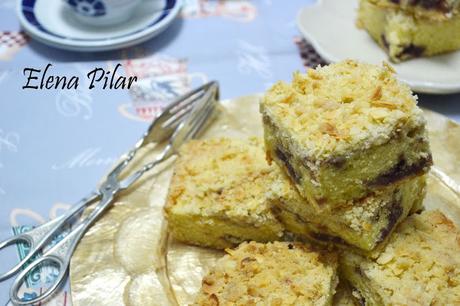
329 25
52 23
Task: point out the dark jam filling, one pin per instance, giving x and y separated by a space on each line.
435 5
285 158
385 42
411 51
327 238
283 155
337 162
318 236
400 171
276 211
395 213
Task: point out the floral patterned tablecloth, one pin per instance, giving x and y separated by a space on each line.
56 144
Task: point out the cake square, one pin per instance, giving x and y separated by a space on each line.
217 196
344 130
364 223
278 273
420 265
430 9
404 35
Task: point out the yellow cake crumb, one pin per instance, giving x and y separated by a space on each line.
406 32
342 131
278 273
435 10
217 196
419 266
356 105
364 223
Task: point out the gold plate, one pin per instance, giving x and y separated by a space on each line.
127 258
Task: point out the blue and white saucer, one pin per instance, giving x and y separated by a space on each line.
53 23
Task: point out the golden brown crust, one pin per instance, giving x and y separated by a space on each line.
435 10
212 177
217 196
342 107
419 266
278 273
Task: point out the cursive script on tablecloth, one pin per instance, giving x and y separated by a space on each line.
9 142
74 103
253 59
2 191
4 75
240 11
87 158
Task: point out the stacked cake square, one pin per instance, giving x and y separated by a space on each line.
419 265
278 273
412 28
353 143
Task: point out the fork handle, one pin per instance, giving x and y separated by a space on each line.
58 255
41 234
61 253
35 238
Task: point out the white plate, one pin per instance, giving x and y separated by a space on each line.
51 22
330 26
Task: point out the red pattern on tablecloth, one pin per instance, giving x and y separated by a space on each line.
11 39
310 57
237 10
161 78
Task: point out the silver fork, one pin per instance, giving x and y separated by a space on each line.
183 119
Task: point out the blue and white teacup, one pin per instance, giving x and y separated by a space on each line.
103 12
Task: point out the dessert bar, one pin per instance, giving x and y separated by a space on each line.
278 273
419 266
403 35
430 9
363 223
342 131
217 196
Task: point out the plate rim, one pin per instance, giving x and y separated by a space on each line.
418 86
102 44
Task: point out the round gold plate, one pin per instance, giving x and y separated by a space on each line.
127 258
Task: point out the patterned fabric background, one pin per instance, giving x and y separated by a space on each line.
13 39
55 145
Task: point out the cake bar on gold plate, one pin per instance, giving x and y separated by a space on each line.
278 273
419 266
429 9
404 35
364 224
217 197
345 130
